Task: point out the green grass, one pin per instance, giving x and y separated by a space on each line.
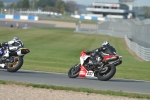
77 89
58 49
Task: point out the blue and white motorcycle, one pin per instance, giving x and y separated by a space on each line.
15 60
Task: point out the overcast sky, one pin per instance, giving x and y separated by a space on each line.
89 2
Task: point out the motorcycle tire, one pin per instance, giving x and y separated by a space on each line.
74 71
13 67
108 74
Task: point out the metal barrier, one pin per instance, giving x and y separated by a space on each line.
142 52
87 28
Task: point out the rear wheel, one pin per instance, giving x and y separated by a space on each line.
107 73
15 64
74 71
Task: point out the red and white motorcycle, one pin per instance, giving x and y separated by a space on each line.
104 68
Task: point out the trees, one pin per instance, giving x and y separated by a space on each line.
1 4
71 6
52 5
25 4
45 3
59 6
147 11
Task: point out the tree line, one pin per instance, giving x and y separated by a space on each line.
147 11
59 6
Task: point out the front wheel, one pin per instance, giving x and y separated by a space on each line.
74 71
15 64
108 72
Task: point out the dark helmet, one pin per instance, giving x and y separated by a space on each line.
105 43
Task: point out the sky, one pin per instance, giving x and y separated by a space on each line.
89 2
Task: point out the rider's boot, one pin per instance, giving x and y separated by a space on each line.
2 65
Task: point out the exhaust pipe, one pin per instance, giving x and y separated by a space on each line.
20 52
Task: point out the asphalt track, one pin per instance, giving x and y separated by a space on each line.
23 24
131 86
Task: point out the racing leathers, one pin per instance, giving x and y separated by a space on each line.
7 45
98 53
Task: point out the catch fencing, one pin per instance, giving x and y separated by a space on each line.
142 52
134 31
87 28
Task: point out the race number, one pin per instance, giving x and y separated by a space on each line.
90 74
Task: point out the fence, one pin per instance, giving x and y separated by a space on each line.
83 27
142 52
137 31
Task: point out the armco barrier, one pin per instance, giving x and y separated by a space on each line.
142 52
20 17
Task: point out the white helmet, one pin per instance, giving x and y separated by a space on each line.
105 43
16 39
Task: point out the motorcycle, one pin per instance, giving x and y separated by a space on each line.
15 60
104 67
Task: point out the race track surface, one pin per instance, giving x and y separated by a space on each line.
131 86
40 23
23 24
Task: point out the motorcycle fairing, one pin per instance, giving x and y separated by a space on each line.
83 57
108 57
84 73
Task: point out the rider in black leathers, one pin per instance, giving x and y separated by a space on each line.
105 49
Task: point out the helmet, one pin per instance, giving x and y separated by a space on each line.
105 43
16 39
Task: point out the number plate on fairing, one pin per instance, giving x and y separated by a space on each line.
90 74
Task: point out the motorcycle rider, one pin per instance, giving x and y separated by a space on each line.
15 42
105 49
